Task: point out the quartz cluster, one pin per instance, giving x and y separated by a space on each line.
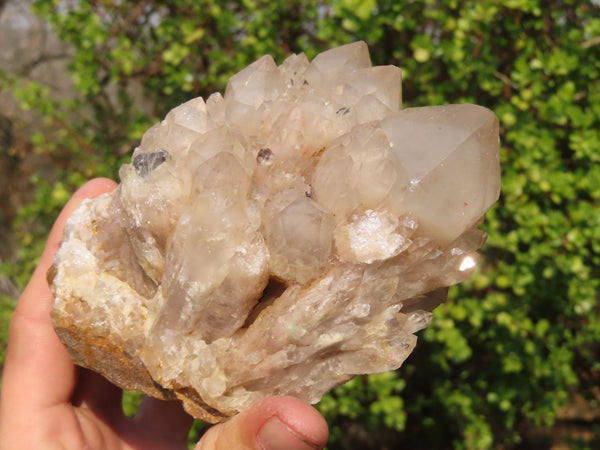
279 239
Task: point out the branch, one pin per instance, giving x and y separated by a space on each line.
506 80
590 42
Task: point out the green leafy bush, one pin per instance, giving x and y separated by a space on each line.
512 343
6 307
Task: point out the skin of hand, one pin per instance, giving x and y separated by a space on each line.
46 402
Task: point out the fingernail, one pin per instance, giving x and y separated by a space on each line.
275 435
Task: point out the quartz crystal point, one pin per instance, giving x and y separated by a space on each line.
279 239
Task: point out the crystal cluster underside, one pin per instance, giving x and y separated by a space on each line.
279 239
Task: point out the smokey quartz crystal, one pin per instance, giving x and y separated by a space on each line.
280 239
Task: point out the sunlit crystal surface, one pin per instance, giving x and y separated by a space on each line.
279 239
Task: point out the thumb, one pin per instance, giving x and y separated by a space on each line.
275 423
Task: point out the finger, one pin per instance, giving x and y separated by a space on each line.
98 394
163 423
36 300
275 423
38 371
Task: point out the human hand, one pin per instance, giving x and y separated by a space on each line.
47 402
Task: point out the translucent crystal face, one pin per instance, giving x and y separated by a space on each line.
279 239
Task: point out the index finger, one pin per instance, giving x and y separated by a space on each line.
38 286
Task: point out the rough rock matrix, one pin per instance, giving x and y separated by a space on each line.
279 239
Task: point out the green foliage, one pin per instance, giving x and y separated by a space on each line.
514 341
7 305
370 400
131 402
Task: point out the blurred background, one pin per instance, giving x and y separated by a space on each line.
512 359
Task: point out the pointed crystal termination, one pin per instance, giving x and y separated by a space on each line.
279 239
449 153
